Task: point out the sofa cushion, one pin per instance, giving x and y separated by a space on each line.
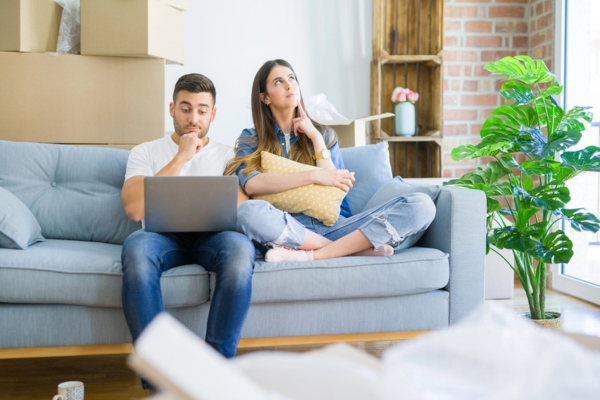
317 201
399 187
86 273
414 270
371 165
73 191
18 227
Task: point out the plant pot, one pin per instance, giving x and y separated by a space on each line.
405 119
554 323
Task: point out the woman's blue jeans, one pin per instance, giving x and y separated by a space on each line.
389 223
230 255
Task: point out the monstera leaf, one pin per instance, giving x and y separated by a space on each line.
524 241
587 159
548 197
557 248
559 141
521 68
580 220
511 129
515 90
493 205
482 177
553 90
508 120
480 150
531 141
524 216
572 119
550 113
542 166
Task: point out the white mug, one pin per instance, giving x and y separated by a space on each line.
72 390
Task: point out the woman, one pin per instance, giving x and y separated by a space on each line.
283 128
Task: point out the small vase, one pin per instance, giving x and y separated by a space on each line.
405 119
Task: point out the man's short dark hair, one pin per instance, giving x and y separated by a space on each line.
195 83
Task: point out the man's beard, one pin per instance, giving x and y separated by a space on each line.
181 130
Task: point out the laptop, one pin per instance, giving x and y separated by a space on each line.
190 203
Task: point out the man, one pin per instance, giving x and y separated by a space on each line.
146 255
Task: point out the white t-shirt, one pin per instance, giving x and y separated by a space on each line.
148 158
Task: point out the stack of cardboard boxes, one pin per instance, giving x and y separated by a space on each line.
113 94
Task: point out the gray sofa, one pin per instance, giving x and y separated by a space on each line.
66 289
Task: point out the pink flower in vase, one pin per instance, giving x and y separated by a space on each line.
413 97
405 121
400 95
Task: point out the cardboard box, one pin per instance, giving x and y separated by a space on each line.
78 99
133 28
29 25
175 365
352 132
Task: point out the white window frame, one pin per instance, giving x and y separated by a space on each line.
560 282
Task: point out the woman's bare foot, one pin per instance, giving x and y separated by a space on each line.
280 254
385 250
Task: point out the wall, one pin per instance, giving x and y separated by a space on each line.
329 45
477 32
541 31
327 42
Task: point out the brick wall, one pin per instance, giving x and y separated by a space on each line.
541 31
477 32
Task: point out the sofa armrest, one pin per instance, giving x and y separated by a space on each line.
459 230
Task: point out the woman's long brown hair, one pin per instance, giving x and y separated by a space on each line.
266 137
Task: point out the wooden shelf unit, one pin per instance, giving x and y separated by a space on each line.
407 48
428 61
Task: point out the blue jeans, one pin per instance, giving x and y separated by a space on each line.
146 255
391 223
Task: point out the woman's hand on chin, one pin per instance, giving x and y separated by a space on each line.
340 178
304 125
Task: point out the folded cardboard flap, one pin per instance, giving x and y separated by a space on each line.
179 363
490 351
175 360
352 132
588 341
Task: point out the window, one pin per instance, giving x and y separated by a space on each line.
578 51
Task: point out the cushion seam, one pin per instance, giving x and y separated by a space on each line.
350 266
89 273
275 301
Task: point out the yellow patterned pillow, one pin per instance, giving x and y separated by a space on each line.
320 202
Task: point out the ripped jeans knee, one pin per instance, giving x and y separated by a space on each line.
267 225
379 231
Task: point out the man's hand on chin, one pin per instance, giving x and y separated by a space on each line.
190 144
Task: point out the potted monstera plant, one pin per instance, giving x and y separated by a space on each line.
527 141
